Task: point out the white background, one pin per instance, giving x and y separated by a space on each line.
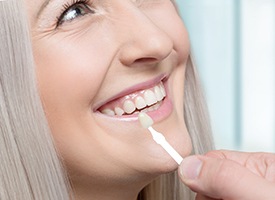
234 45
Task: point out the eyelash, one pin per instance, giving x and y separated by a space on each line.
69 5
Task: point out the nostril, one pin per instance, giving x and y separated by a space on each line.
146 60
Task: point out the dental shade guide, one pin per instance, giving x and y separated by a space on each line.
147 122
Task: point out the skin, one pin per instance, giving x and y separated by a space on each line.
230 175
78 65
82 63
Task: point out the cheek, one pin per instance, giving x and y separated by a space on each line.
178 89
69 77
181 40
69 73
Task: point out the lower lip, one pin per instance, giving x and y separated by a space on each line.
163 111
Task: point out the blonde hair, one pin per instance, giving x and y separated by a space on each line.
30 167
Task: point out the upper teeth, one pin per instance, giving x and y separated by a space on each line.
138 101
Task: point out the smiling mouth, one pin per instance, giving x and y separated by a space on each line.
140 101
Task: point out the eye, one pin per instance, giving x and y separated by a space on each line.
76 9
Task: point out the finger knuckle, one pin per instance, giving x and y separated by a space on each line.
262 164
219 179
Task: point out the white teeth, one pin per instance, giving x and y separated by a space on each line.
151 109
129 107
158 93
108 112
162 90
140 103
150 97
156 106
119 111
144 110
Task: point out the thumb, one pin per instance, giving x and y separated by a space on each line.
223 179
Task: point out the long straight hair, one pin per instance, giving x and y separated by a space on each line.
29 165
30 168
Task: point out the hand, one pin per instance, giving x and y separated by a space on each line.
230 175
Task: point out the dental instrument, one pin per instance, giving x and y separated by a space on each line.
147 122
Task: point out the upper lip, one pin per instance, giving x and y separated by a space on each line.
140 86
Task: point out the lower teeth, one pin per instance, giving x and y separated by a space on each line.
111 112
147 109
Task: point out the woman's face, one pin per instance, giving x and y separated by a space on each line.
100 63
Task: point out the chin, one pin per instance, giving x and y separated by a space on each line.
177 136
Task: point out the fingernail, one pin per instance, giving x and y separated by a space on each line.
190 167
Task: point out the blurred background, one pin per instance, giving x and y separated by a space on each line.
233 42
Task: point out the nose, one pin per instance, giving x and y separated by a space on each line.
143 41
